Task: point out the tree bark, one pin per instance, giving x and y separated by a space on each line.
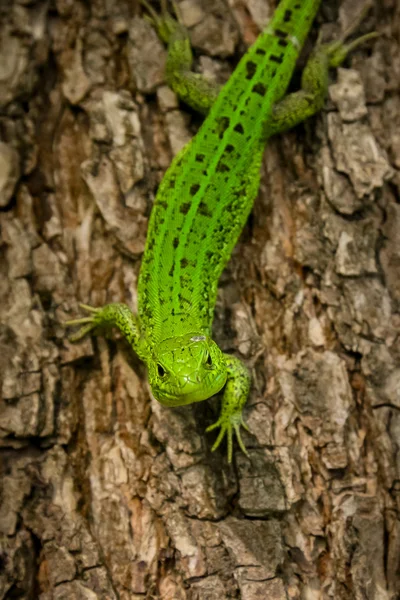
106 494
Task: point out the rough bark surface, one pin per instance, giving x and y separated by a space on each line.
106 494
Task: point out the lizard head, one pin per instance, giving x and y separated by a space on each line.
186 369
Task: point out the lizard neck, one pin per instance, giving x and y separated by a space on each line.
180 324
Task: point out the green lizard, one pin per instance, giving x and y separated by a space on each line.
202 205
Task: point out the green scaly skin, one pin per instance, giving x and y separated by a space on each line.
202 205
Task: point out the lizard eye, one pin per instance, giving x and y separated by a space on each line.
209 360
160 370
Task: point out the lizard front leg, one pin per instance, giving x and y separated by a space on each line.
194 89
111 315
234 398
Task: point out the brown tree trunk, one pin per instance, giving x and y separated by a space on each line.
106 494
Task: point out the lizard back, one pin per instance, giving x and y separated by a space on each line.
208 191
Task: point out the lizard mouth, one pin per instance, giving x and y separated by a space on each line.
189 392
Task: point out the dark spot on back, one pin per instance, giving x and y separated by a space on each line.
162 203
287 16
283 43
194 189
259 88
281 34
251 68
184 263
184 208
277 59
203 209
199 157
260 52
238 128
222 125
229 148
222 167
175 242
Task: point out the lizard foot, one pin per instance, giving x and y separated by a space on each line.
228 425
89 323
338 50
165 25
